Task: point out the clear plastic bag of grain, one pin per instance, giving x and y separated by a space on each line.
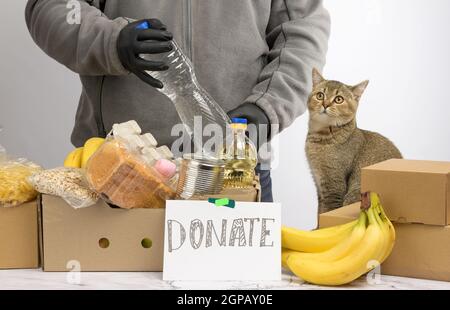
130 171
14 186
68 183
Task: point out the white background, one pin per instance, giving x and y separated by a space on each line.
402 46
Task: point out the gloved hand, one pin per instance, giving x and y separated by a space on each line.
254 115
134 40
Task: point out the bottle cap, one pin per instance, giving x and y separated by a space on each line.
236 120
144 26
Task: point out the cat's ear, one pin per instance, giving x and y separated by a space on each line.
316 77
359 89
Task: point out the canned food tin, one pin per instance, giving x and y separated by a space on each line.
200 176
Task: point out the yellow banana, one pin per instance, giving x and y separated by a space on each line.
392 237
386 225
380 254
73 160
343 248
349 267
285 253
90 147
314 241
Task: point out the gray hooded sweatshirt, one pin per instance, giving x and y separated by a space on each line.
254 51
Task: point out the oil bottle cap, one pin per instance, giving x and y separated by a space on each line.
236 120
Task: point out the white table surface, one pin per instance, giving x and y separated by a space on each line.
36 279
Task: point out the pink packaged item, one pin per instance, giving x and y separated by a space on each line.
166 168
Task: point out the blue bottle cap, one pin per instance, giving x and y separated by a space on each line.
236 120
144 25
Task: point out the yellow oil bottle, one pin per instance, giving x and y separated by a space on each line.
241 156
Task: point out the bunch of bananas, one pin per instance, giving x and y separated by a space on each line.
341 254
79 157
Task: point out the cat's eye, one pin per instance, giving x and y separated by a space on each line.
320 96
339 100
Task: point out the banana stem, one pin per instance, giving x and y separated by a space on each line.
368 206
365 201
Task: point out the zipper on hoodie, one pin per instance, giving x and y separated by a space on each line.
100 121
187 12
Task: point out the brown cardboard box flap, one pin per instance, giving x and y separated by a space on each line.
412 191
420 251
19 237
340 216
407 165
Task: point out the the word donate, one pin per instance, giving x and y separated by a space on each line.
238 236
205 242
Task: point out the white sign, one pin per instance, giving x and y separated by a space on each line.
206 242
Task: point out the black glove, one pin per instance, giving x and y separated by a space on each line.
135 40
254 115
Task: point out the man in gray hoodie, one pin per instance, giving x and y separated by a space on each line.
254 57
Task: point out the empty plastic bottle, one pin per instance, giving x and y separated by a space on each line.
190 99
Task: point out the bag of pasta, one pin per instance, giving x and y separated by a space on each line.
14 186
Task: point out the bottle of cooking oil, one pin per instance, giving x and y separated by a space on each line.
241 157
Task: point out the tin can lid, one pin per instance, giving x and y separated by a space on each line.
201 160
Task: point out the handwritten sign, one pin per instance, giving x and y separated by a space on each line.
207 242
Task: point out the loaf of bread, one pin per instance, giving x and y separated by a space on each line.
123 179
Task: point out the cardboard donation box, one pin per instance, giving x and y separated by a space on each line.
102 238
19 237
412 191
420 251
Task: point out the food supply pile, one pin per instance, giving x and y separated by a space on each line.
127 169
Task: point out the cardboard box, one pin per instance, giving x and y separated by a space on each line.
411 191
420 251
19 237
101 238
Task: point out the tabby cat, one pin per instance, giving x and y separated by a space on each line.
335 147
